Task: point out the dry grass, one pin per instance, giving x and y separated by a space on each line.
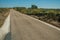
3 14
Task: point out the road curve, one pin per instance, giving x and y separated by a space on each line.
24 27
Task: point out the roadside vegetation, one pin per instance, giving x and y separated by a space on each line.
51 16
3 14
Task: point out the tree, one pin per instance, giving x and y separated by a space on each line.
34 7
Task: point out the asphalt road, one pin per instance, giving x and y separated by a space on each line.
24 27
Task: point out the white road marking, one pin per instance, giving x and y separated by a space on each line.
5 28
46 23
43 22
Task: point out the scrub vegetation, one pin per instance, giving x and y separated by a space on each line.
51 16
3 14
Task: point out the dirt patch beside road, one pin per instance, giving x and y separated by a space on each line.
3 14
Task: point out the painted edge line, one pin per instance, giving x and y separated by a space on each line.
47 23
44 23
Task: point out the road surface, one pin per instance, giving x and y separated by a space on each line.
24 27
